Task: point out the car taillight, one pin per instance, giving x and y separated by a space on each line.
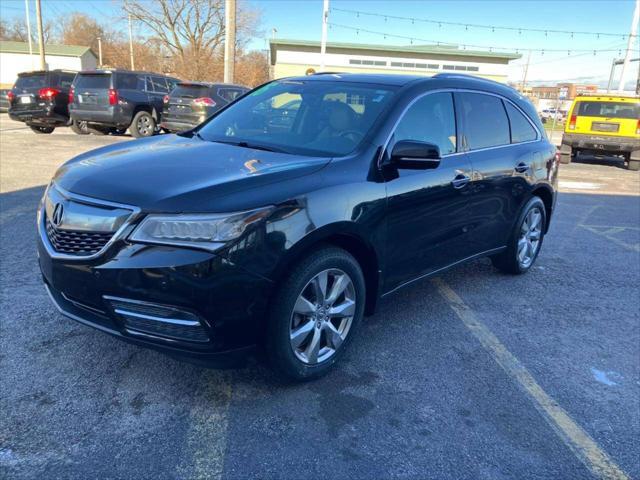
165 99
10 96
204 102
638 127
572 122
71 95
48 92
113 96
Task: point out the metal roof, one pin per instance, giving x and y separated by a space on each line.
58 50
448 50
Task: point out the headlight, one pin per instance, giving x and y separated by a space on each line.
207 231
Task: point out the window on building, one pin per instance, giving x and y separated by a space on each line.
472 69
448 67
433 66
485 120
430 119
521 128
355 61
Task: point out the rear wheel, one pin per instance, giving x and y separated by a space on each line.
79 127
315 314
525 240
143 125
40 129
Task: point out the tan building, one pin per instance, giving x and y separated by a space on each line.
571 90
301 57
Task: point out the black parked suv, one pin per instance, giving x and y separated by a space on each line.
40 99
117 100
242 234
191 103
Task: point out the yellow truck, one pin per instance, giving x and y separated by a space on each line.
603 125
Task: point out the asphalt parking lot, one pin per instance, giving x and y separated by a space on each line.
471 375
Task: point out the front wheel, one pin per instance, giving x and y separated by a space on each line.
525 240
315 314
143 125
41 130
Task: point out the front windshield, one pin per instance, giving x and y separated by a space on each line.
318 118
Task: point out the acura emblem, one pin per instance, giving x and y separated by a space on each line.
58 211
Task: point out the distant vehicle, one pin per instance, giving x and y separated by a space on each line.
191 103
40 99
603 125
112 101
4 100
548 114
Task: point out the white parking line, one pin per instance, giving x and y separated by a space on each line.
206 441
579 441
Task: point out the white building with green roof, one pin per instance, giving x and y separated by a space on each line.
299 57
15 58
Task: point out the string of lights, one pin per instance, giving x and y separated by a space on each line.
493 28
465 46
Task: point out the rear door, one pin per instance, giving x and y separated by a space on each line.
26 90
91 91
617 118
502 166
157 88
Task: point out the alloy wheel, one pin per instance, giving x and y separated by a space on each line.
530 237
322 316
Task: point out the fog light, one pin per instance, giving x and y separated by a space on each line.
157 320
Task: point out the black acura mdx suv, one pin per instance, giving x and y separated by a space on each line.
235 235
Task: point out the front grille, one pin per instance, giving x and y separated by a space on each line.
76 242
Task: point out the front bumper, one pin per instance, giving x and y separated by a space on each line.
229 301
601 143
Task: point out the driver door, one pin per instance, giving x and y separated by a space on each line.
428 219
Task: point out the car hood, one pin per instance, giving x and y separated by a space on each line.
174 173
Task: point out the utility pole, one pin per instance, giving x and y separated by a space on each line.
133 67
43 63
632 37
526 71
230 40
323 42
99 51
26 9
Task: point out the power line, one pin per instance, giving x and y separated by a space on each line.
464 46
493 28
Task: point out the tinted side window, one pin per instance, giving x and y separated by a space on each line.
126 81
485 120
430 119
66 79
521 129
159 85
229 94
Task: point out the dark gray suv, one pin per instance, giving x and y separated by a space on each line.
112 101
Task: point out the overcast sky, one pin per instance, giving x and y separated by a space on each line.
301 19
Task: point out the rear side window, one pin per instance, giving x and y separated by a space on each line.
608 109
66 79
158 85
521 128
430 119
230 94
485 120
32 81
190 91
126 81
93 81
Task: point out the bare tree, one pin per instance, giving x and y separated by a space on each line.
16 31
191 31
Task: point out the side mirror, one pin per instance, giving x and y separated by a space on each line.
415 155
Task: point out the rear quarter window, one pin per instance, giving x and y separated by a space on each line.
126 81
521 128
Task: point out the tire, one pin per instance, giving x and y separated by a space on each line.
566 154
291 361
41 130
509 260
95 130
142 125
79 128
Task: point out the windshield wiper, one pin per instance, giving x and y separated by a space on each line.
254 146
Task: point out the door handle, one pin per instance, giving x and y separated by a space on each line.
460 180
521 167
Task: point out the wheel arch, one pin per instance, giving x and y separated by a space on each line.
545 194
349 238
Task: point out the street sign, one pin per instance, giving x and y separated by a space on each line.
563 93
